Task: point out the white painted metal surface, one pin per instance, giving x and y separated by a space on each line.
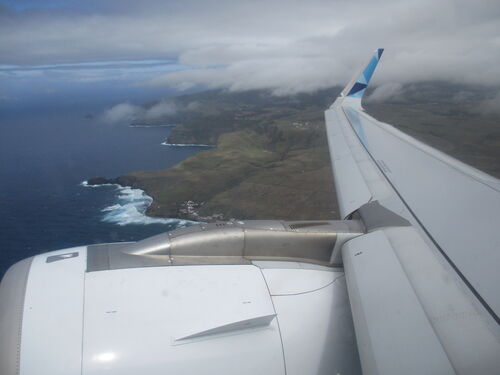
53 315
352 190
134 316
471 344
295 281
393 333
12 293
316 326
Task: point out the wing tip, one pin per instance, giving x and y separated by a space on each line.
380 51
358 85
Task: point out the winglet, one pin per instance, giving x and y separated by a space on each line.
357 86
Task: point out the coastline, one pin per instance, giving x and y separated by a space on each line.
245 177
131 207
185 144
263 157
269 157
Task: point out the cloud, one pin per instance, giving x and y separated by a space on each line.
386 91
489 106
160 109
298 47
277 75
139 70
126 112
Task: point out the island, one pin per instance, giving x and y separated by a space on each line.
270 158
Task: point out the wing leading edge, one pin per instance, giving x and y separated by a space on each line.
422 287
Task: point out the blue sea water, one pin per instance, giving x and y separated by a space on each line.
44 158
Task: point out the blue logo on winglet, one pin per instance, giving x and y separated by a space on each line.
358 89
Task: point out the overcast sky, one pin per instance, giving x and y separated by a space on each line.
286 46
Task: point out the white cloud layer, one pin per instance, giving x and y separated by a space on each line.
288 47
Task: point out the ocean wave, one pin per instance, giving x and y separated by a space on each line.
131 208
86 184
111 208
185 145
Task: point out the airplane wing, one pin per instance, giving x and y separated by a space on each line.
423 281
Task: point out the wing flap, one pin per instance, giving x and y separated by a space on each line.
387 312
409 316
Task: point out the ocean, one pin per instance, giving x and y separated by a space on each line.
45 158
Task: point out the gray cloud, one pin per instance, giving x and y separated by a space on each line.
298 47
386 91
489 106
282 76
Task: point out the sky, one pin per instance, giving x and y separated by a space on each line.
136 50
